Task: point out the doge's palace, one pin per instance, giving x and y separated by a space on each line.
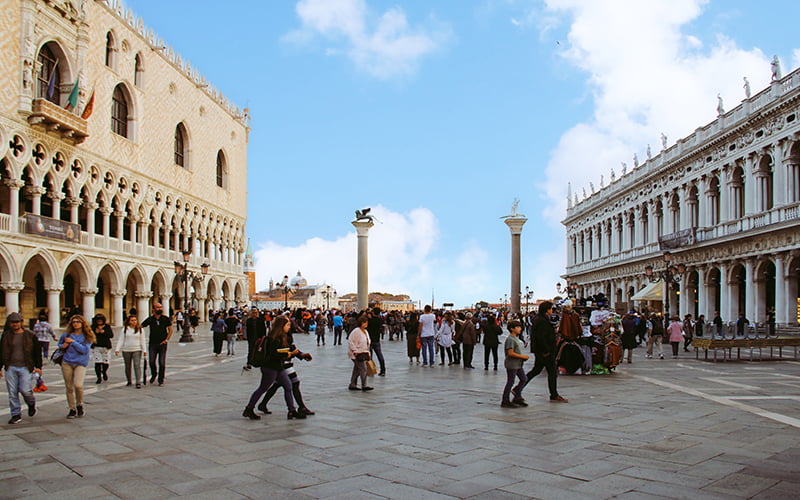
724 202
117 159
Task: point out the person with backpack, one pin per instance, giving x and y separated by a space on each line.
276 349
132 344
255 328
656 338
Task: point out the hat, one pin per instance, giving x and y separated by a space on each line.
469 315
567 302
14 317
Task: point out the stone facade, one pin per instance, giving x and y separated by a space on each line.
156 166
724 201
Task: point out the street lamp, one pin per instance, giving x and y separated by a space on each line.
286 292
185 275
327 294
528 297
671 275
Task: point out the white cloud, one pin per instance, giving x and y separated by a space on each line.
646 75
384 46
399 248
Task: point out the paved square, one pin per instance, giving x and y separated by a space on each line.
655 429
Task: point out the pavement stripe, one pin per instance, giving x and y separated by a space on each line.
784 419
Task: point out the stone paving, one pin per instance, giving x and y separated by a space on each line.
655 429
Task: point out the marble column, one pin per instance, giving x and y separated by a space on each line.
53 305
13 186
362 227
750 296
515 224
781 304
12 290
87 305
117 309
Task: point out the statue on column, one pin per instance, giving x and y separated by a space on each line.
746 88
776 69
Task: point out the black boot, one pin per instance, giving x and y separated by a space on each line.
98 370
249 413
295 414
262 407
105 371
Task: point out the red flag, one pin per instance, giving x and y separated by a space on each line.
87 111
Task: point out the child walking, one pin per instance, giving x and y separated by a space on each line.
513 363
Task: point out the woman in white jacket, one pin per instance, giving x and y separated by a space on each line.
444 337
132 343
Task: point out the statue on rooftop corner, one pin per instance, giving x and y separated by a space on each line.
613 175
776 69
720 106
649 153
746 88
635 161
663 141
624 168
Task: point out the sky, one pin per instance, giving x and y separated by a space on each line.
438 114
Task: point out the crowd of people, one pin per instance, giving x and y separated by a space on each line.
442 336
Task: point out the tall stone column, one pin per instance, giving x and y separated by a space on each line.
143 304
12 290
515 223
87 305
781 303
53 309
362 227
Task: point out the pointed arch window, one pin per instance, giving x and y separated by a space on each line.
119 112
110 50
48 81
221 170
138 70
180 145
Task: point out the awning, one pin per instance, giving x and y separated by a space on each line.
653 291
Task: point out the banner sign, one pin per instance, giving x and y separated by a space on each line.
679 239
52 228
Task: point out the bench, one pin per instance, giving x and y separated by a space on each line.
707 344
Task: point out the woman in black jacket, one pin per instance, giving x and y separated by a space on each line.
101 348
278 350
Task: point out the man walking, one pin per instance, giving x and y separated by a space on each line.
374 329
160 333
20 356
469 337
543 346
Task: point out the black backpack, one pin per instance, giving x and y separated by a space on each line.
259 355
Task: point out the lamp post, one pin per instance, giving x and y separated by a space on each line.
327 294
185 275
286 292
528 297
670 275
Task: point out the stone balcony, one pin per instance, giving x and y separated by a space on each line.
54 118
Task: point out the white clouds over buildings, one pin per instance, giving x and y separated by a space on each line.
383 46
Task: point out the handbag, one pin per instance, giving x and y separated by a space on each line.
371 368
58 355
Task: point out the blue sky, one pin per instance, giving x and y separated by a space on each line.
439 113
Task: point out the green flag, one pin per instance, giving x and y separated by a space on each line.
72 101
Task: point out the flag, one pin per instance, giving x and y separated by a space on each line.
72 101
51 83
87 110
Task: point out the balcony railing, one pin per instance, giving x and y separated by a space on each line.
57 119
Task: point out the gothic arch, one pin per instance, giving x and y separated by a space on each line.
48 263
8 268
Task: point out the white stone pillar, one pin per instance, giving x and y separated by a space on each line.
724 197
779 180
143 304
362 228
750 300
53 305
13 186
12 290
90 209
35 192
781 296
56 197
73 204
750 187
106 211
117 310
87 306
702 293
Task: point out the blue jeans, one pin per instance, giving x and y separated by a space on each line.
427 350
18 381
376 348
513 374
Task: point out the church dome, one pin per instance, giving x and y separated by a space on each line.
298 281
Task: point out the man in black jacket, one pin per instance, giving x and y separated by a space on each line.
20 356
543 346
374 329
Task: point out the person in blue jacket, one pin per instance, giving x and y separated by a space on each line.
77 342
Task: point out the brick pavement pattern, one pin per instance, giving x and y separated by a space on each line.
655 429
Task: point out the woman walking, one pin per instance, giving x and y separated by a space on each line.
76 342
444 337
101 348
218 330
412 332
358 350
132 344
675 332
278 350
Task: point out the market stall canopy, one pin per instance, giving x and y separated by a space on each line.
653 291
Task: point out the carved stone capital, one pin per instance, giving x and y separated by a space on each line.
89 291
12 286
